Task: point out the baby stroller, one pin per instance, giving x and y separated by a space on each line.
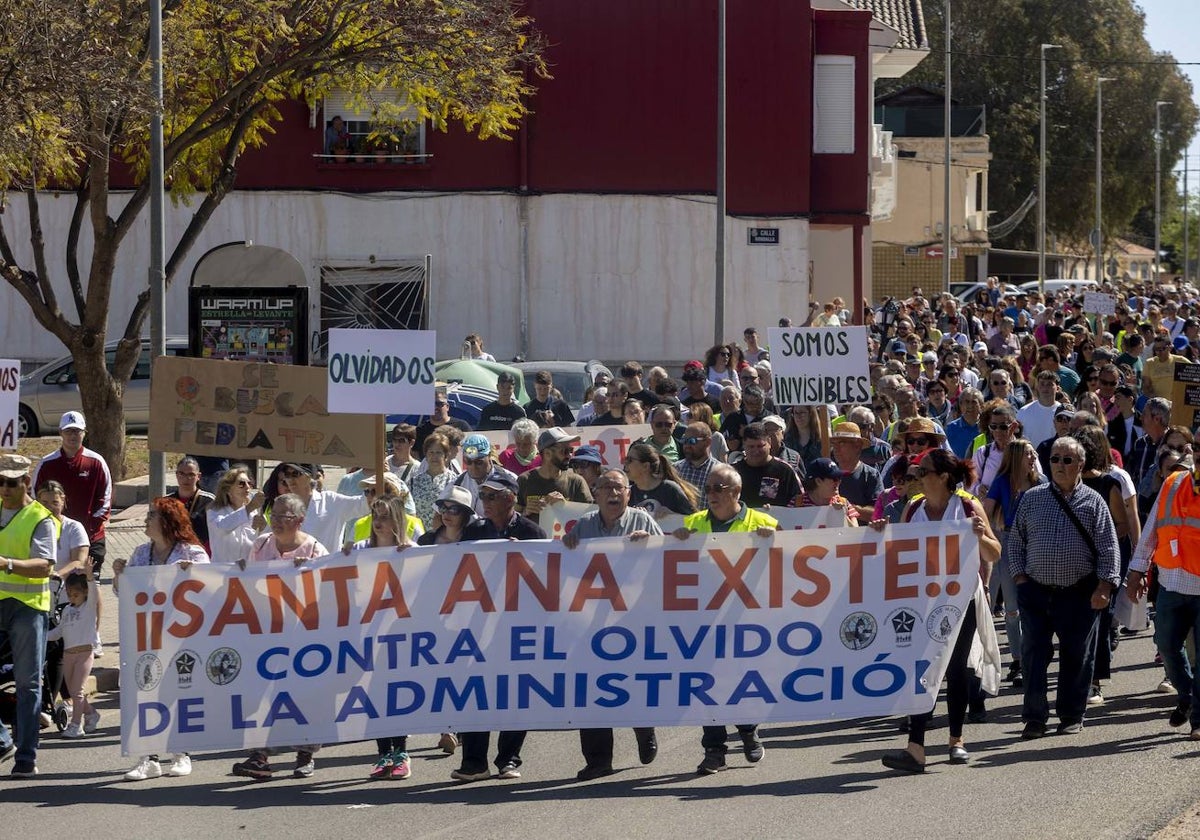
53 707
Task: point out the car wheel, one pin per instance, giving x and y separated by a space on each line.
27 426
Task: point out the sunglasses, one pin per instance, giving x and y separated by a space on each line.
291 473
489 497
1108 382
951 374
880 408
919 440
663 424
724 354
692 441
439 404
998 427
12 482
716 488
243 482
996 382
1063 459
1093 379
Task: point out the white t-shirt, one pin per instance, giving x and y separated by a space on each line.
1038 421
72 537
77 625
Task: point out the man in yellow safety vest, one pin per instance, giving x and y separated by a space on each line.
27 550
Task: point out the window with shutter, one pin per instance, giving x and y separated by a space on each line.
400 143
834 105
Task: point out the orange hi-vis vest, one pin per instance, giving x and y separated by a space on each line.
1178 525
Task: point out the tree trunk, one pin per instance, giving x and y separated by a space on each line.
103 406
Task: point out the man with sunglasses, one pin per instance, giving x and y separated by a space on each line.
631 374
725 512
27 553
439 418
1062 553
697 461
500 521
553 481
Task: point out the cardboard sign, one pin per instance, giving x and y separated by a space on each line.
10 402
381 371
253 410
1185 396
1099 303
820 365
612 441
823 624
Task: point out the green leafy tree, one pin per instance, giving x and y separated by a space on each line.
995 62
74 81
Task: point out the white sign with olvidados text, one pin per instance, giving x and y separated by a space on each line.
10 402
819 365
381 371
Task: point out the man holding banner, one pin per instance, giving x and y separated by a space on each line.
498 492
727 513
613 518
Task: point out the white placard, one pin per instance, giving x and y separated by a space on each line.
821 624
381 371
819 365
1099 303
10 402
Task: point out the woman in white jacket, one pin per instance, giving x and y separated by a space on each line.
231 517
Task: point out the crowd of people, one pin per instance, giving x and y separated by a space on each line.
1047 429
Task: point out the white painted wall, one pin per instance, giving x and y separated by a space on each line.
610 277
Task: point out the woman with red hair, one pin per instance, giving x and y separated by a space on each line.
173 542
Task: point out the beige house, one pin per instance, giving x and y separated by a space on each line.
907 242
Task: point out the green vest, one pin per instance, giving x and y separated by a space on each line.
14 542
362 528
748 520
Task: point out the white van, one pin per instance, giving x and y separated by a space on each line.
1076 286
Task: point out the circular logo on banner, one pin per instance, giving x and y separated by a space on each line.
858 630
903 622
149 671
942 621
223 666
185 663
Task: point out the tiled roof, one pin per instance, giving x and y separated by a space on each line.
905 16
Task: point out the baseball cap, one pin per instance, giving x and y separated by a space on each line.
912 360
1180 343
553 436
456 498
977 346
929 356
390 480
13 465
476 447
1064 411
898 347
306 469
824 468
775 421
501 480
72 420
588 453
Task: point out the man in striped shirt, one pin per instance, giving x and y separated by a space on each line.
1062 584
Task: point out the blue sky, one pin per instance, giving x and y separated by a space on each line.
1174 26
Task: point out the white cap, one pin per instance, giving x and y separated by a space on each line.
72 420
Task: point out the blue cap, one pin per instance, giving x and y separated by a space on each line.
476 447
1180 342
588 453
501 480
824 468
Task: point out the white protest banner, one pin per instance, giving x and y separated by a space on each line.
612 441
559 519
818 365
381 371
718 628
1099 303
10 402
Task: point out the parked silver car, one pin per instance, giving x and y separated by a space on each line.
53 389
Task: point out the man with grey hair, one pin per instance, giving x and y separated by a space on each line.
187 491
1062 553
877 452
613 517
1004 342
1156 417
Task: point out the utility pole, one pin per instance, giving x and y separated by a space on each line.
1099 236
158 277
947 242
1158 106
719 277
1041 231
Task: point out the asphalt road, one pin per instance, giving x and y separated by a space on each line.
1126 775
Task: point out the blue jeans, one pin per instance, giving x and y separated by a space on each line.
1177 615
24 628
1066 612
1001 578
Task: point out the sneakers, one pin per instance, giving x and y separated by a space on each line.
1033 729
181 766
255 767
509 771
23 770
1180 715
401 766
97 649
461 775
1095 696
752 747
714 762
1165 687
382 768
91 721
448 743
73 730
147 768
1070 727
305 766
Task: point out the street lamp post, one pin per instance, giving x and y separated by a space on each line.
1099 236
719 277
946 226
1041 202
158 279
1158 106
